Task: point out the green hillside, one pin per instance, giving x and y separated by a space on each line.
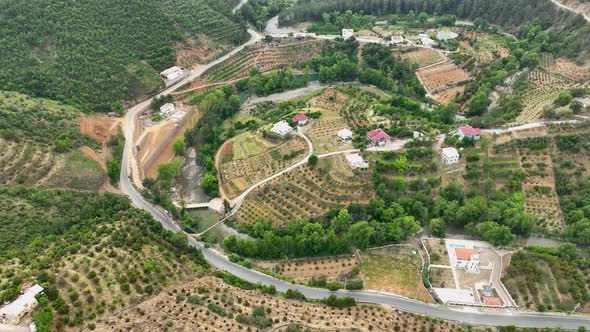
569 35
93 253
94 53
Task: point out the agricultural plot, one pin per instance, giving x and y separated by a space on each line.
264 57
483 47
566 69
436 79
543 282
395 270
421 56
306 192
330 99
208 304
437 251
538 185
323 133
333 268
239 174
543 89
32 164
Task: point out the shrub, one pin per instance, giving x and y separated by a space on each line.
354 284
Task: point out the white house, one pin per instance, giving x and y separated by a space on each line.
166 110
397 39
417 134
356 161
584 101
345 134
450 155
347 33
172 73
466 258
14 311
281 128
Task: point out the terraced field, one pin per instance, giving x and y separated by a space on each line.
303 193
543 89
33 164
239 174
440 78
264 57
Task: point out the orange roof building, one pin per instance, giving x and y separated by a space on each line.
489 300
464 254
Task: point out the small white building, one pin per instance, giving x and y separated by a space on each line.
281 128
356 161
172 73
417 134
166 110
584 101
14 311
450 155
300 119
347 33
466 258
397 39
345 134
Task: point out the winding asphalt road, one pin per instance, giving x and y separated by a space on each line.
219 261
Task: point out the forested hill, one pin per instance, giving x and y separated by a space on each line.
569 33
94 53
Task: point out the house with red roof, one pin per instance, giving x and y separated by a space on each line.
300 119
466 258
378 136
469 132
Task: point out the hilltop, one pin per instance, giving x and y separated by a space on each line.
96 54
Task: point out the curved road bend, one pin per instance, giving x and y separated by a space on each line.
220 262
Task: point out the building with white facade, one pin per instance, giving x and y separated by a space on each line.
466 258
14 311
281 128
356 161
345 134
166 110
172 73
347 33
450 155
426 41
397 39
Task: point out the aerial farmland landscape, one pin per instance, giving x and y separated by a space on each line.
295 165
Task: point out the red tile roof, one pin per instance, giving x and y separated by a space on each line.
377 135
300 117
468 130
464 254
487 300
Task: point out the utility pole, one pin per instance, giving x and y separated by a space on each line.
575 308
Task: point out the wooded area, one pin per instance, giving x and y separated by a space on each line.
95 54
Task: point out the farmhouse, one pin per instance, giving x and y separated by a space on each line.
14 311
378 137
345 134
347 33
172 73
356 161
281 128
584 101
166 110
397 39
450 155
300 119
466 258
469 132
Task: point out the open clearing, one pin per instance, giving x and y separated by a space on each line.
172 310
394 270
439 78
420 56
99 127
